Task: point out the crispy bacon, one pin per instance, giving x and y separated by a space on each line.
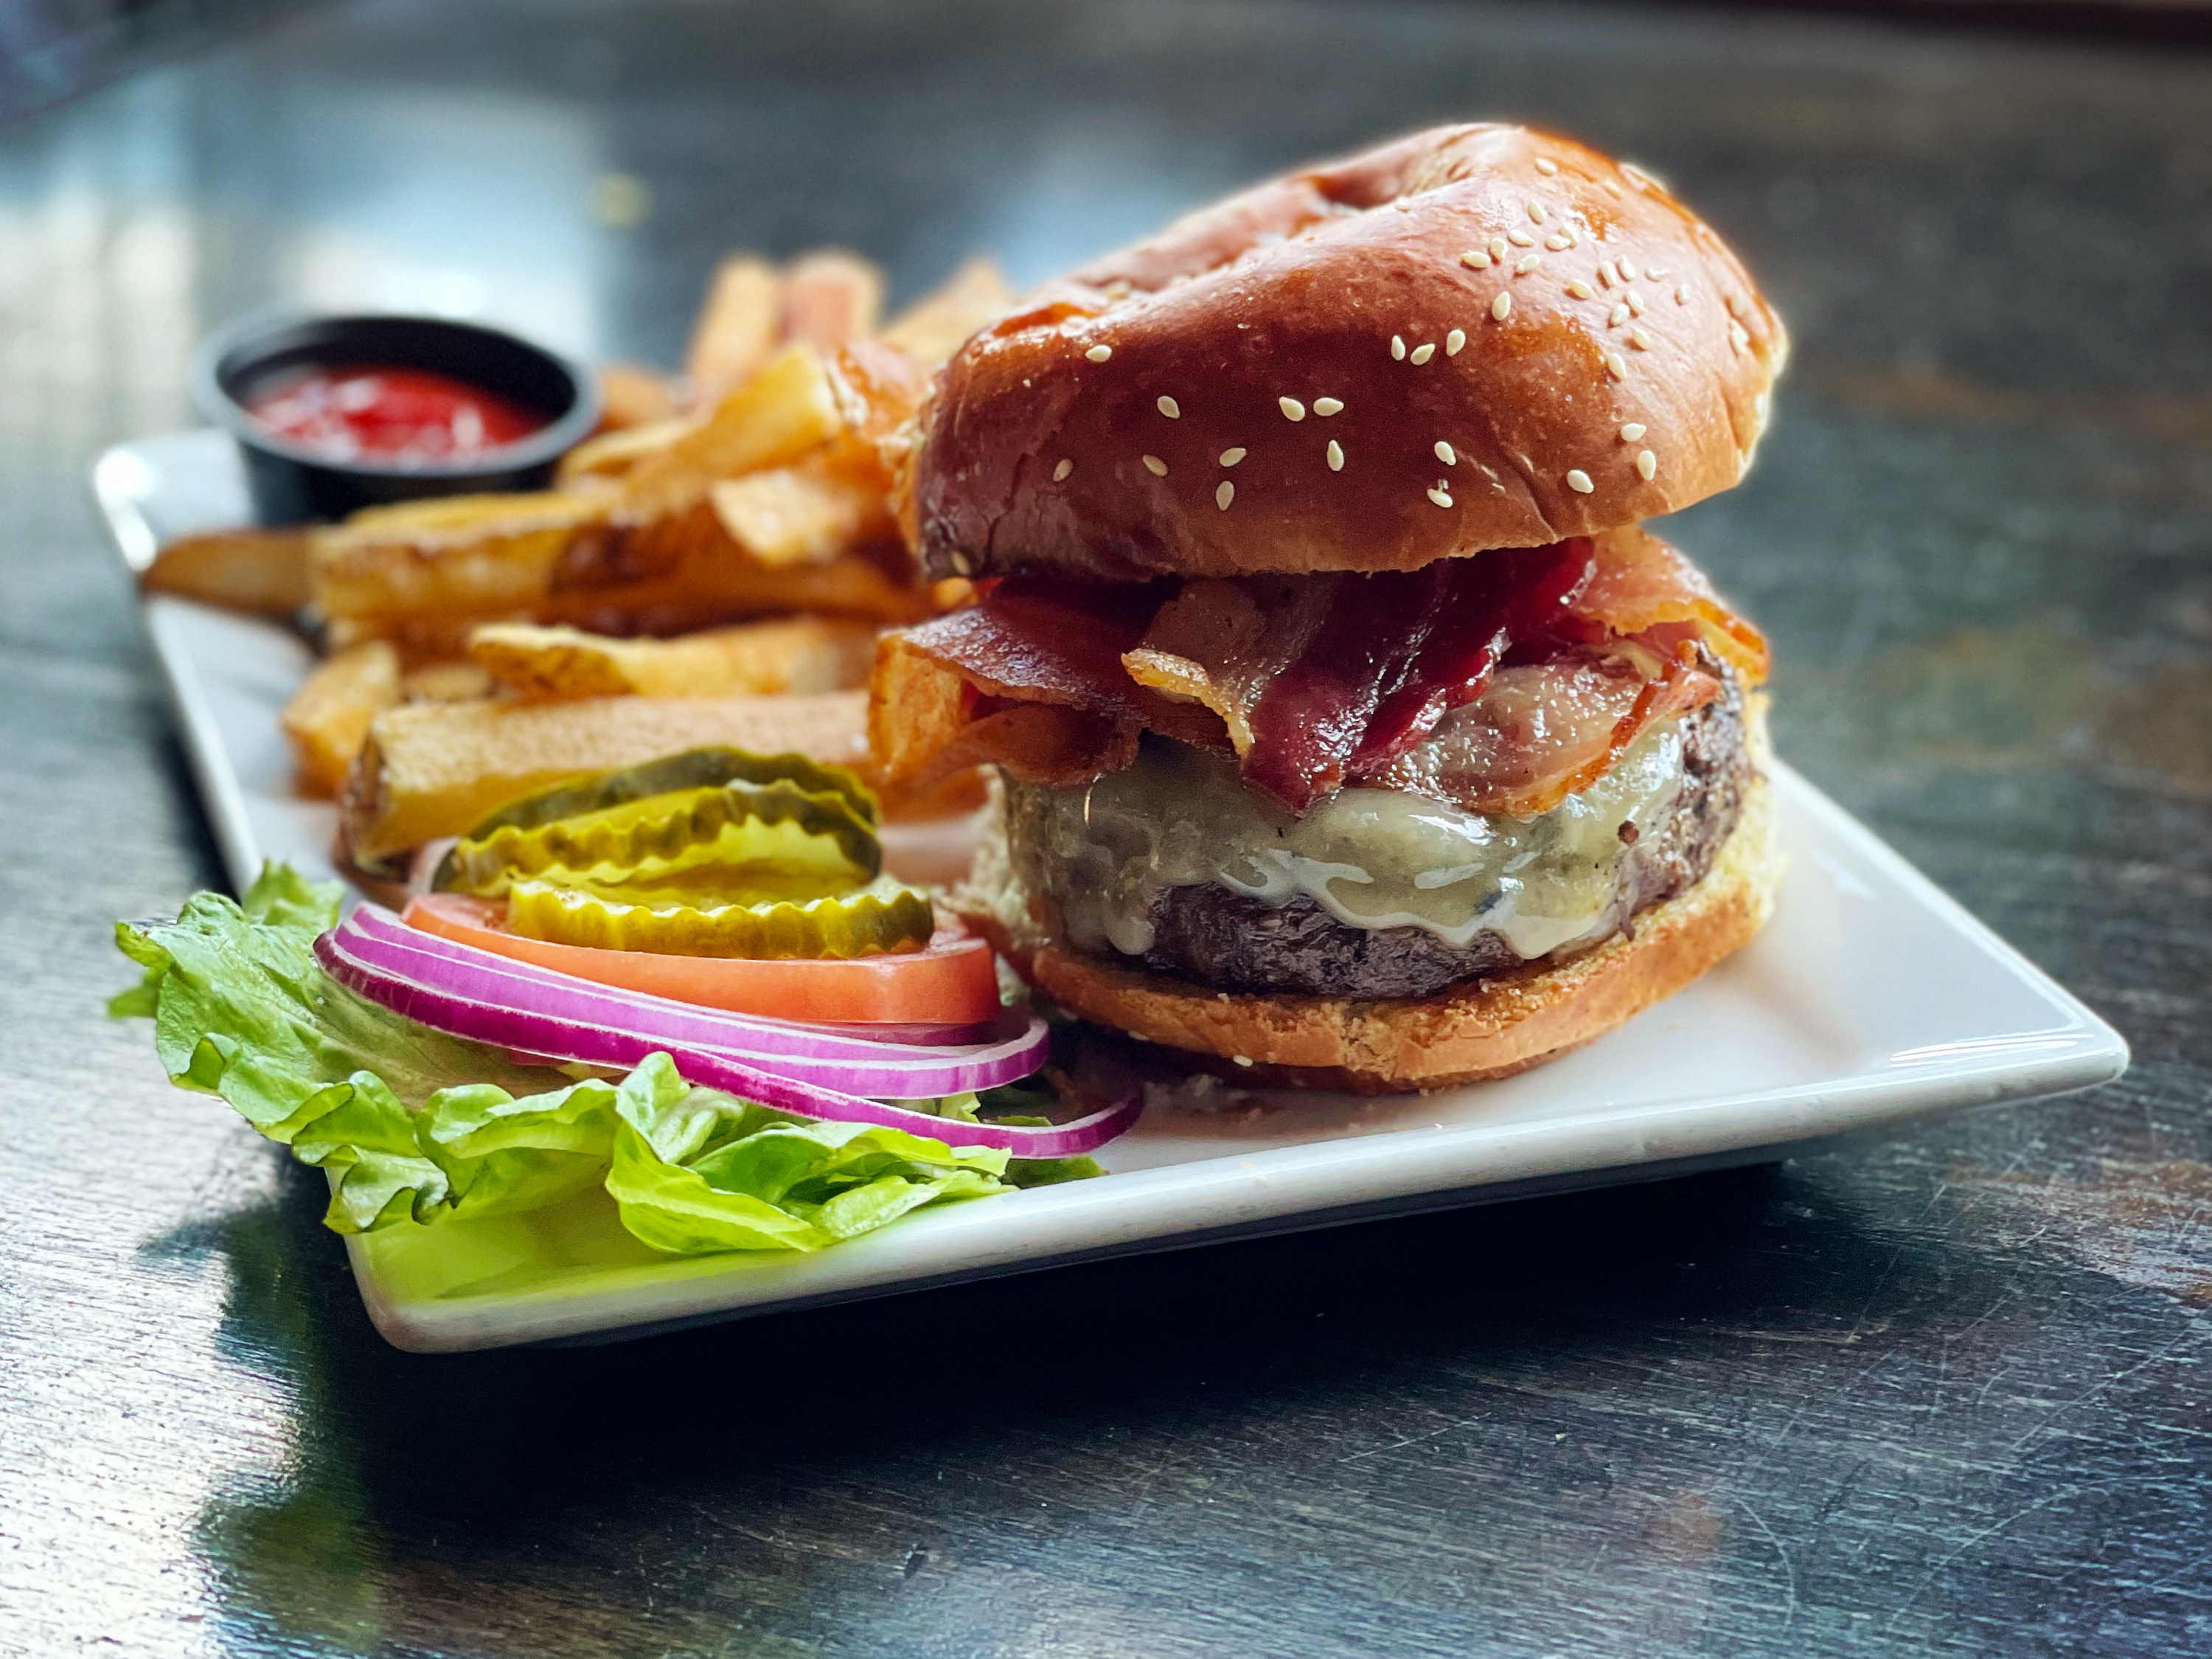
1643 587
1503 682
1540 731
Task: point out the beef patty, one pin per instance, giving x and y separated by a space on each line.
1211 935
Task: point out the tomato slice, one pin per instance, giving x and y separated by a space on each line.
954 981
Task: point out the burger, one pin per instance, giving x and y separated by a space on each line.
1350 729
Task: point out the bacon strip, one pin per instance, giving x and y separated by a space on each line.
1642 587
1501 683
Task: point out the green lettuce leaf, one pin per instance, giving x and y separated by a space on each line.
695 1170
413 1126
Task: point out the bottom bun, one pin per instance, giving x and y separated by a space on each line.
1488 1028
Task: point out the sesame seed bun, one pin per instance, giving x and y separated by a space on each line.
1365 366
1469 1033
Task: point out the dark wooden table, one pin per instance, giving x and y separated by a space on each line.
1943 1395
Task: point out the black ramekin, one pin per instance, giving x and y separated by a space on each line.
291 484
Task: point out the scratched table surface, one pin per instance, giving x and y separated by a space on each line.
1945 1393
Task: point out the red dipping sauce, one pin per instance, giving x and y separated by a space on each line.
401 416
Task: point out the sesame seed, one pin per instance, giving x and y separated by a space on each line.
1398 347
1423 352
1454 341
1501 307
1475 260
1231 457
1605 275
1325 406
1061 472
1497 247
1099 354
1647 465
1547 166
1616 365
962 565
1520 239
1632 432
1627 270
1536 211
1654 272
1735 305
1241 1060
1558 243
1610 188
1737 335
1171 409
1155 466
1291 408
1529 264
1446 453
1440 498
1618 315
1336 456
1640 338
1579 481
1580 289
1223 494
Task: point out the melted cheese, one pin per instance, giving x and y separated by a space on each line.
1371 858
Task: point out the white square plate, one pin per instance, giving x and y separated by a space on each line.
1870 998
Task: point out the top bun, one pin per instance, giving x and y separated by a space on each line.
1473 337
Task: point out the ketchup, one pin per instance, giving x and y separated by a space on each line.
402 416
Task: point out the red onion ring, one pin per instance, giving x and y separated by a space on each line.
519 1021
851 1065
860 1041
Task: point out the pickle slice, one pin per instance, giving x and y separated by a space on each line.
883 916
694 768
720 842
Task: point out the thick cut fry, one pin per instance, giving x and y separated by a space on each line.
738 327
613 455
434 769
794 654
831 297
445 682
633 395
774 419
807 513
328 718
263 571
470 555
939 324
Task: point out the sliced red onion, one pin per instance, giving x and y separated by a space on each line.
554 1022
848 1064
719 1028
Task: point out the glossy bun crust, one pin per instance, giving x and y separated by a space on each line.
1033 451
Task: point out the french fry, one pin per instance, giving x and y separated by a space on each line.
831 297
432 769
474 555
791 654
786 410
328 717
940 323
260 570
804 514
738 327
613 455
445 682
631 395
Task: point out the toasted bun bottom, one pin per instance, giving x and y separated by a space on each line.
1484 1028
